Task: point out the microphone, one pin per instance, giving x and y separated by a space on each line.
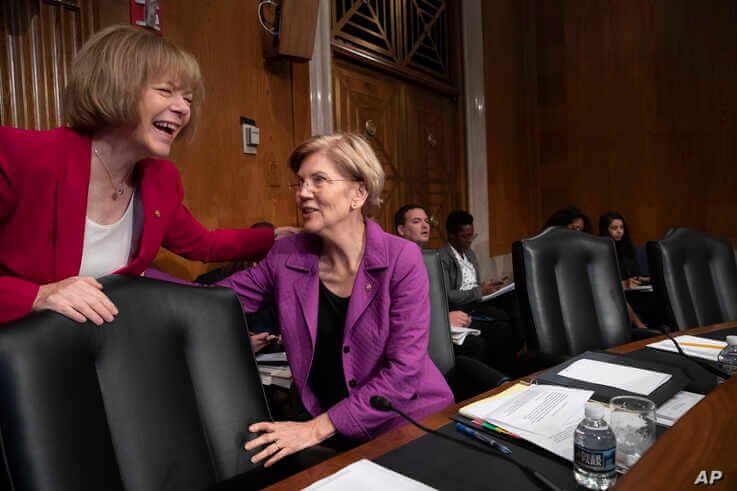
709 368
381 403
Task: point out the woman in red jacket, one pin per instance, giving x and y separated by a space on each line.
95 198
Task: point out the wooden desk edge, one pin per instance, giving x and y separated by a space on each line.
405 434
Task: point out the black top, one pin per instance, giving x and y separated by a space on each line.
326 374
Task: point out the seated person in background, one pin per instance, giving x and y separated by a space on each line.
223 272
412 222
353 306
74 200
612 225
465 292
263 325
570 217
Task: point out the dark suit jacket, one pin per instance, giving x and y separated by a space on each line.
457 298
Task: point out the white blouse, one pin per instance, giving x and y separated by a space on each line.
107 248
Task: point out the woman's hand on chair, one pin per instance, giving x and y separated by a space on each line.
79 297
285 438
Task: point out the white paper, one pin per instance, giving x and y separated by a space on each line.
675 407
272 357
640 288
545 415
283 372
499 292
365 475
459 334
622 377
705 348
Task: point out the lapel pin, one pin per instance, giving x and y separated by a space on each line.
157 213
368 287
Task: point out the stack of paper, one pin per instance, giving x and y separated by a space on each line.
365 475
276 372
705 348
545 415
675 407
459 334
631 379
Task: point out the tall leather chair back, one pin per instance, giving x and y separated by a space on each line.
441 345
160 399
695 278
570 292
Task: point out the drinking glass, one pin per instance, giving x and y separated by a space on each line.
632 420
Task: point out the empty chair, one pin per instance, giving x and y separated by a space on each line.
158 400
695 278
465 376
570 293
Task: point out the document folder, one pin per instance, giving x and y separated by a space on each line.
604 393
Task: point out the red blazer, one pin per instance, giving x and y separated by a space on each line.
44 177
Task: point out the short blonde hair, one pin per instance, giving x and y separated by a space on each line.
110 72
353 156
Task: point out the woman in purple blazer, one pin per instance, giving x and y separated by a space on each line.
352 303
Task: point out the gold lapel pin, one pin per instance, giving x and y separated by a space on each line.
157 213
368 287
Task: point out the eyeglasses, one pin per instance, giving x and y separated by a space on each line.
316 182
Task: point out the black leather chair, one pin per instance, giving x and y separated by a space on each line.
570 293
695 278
160 399
465 376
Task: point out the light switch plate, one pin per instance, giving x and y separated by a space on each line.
250 135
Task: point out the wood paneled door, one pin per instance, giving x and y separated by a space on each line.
414 133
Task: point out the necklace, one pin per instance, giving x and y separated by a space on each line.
120 189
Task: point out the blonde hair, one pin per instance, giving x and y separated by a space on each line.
110 72
353 156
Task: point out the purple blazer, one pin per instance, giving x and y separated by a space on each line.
385 335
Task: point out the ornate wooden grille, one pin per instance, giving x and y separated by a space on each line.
410 36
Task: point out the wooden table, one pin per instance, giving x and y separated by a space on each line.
704 439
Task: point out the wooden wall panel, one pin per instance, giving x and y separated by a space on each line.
223 186
37 42
633 108
417 140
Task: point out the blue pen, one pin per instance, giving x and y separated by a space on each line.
483 438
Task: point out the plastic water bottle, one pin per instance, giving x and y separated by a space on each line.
594 448
728 356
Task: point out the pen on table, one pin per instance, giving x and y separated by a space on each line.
483 438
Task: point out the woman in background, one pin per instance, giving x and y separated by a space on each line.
612 225
97 197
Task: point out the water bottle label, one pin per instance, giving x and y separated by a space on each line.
594 460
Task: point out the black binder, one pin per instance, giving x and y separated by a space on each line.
604 393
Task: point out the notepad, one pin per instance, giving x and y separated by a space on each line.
631 379
365 475
705 348
505 289
675 407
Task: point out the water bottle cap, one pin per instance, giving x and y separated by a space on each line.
731 340
593 410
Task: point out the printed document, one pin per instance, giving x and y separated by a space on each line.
545 415
365 475
705 348
622 377
459 334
